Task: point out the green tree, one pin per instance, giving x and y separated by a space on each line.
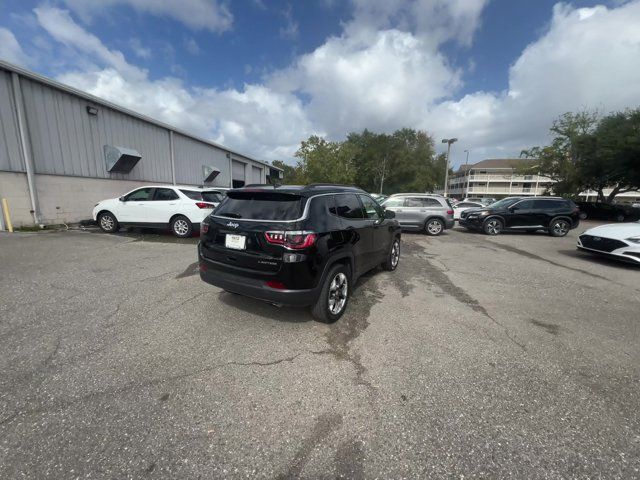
560 160
588 152
610 156
291 174
326 162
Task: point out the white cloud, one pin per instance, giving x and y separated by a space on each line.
435 21
191 46
196 14
139 49
10 49
290 29
379 81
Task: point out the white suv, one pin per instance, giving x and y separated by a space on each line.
160 206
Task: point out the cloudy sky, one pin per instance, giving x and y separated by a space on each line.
260 76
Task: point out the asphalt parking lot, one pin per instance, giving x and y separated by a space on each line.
509 356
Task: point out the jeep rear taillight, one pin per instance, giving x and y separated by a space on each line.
204 205
293 240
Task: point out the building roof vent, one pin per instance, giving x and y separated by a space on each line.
209 173
120 159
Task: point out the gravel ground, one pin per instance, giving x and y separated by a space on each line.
510 356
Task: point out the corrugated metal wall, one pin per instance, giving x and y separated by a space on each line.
10 153
66 140
191 155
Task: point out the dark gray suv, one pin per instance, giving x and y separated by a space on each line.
421 211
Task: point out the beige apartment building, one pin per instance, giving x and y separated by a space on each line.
500 177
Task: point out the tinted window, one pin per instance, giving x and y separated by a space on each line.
165 194
422 202
394 202
261 206
371 208
140 195
525 205
192 194
466 204
348 206
215 197
549 204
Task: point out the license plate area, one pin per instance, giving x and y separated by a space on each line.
235 242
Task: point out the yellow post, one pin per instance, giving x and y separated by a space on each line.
7 217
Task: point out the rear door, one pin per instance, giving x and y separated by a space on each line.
358 229
164 205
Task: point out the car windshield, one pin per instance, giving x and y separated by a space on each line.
505 202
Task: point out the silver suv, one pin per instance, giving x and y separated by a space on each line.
420 211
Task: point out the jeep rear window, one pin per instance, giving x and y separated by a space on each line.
261 206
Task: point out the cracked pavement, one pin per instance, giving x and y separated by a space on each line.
509 356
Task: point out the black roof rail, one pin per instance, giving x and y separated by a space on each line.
335 185
262 185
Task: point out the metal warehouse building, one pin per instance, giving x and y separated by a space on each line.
63 150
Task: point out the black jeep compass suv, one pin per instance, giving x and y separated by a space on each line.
297 245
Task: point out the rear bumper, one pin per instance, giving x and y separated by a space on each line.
216 275
449 223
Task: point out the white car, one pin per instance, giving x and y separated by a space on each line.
460 207
619 240
159 206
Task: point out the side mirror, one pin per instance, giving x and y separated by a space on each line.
389 214
121 198
513 209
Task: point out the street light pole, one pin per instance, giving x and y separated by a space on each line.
466 174
449 142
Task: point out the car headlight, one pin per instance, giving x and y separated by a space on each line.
634 240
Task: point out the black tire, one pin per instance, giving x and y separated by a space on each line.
322 310
559 227
181 226
492 226
393 257
107 222
433 227
583 215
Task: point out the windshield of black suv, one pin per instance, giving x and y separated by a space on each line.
261 206
505 202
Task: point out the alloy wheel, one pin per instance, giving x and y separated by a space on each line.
338 291
395 254
181 227
434 227
560 228
106 222
494 227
